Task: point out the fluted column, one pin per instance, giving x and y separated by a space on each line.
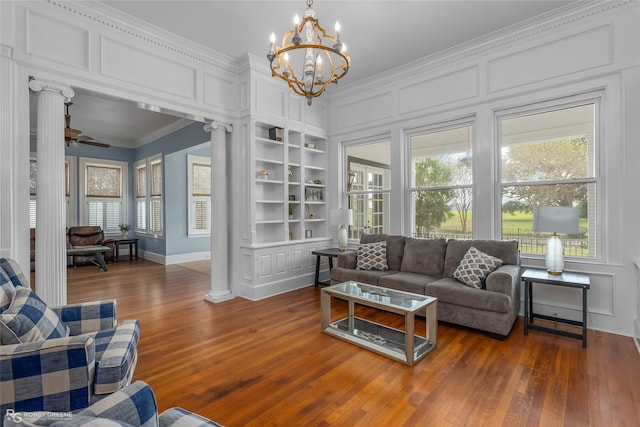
51 208
219 218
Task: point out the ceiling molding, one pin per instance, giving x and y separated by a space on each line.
159 133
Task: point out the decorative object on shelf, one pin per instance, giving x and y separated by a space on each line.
313 195
124 230
310 145
276 134
263 174
307 212
555 219
292 197
342 218
291 208
308 54
308 234
290 173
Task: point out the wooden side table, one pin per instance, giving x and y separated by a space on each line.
567 279
330 253
133 248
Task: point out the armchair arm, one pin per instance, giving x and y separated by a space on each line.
347 259
505 279
88 317
134 404
49 375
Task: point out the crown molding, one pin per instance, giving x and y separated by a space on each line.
551 21
131 26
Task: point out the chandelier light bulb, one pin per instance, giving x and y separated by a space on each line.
337 31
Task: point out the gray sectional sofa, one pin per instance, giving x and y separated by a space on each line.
426 266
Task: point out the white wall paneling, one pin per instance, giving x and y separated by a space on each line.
579 52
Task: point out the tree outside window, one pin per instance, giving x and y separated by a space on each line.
441 182
548 159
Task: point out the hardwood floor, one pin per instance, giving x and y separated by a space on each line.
266 363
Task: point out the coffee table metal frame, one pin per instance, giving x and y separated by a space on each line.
402 346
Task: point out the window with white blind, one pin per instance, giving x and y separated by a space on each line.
102 194
149 203
199 190
69 190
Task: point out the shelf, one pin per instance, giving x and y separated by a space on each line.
273 202
314 220
314 150
315 185
273 162
317 168
268 181
270 221
268 141
294 183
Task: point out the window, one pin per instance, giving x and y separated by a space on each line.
69 165
149 203
368 172
103 202
441 182
548 158
199 190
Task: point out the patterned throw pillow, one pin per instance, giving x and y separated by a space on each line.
29 319
372 256
474 268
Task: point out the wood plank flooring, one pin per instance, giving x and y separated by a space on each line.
266 363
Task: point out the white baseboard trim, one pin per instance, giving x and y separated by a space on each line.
175 259
193 256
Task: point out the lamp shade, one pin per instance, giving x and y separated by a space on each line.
342 217
556 219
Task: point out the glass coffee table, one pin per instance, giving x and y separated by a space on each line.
403 346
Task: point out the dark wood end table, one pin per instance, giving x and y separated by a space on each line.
133 248
567 279
330 253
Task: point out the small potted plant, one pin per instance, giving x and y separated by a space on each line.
124 230
291 207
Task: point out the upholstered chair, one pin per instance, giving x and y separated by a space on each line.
89 236
59 358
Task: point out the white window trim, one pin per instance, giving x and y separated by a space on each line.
148 162
71 199
82 199
597 98
191 231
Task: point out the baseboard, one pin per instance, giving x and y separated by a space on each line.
266 290
193 256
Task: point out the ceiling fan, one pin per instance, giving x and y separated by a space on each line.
73 136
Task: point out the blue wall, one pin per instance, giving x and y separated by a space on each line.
175 147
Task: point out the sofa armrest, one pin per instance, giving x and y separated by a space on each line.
347 259
88 317
505 279
53 375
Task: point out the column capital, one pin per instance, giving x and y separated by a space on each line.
211 125
38 85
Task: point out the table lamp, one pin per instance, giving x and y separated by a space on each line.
555 219
342 218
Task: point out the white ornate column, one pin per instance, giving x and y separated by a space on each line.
219 218
51 265
7 165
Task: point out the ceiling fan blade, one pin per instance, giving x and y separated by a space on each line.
84 138
96 143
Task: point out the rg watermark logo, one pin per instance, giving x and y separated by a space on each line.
18 417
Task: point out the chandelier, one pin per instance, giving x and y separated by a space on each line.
303 54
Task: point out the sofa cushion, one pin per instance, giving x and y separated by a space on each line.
372 256
14 272
424 256
395 247
451 291
28 319
506 250
372 277
407 282
475 267
116 356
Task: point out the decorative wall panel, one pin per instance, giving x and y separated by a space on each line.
363 111
219 92
269 99
140 67
70 46
579 52
438 91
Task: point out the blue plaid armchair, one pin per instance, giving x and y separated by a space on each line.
134 405
63 358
